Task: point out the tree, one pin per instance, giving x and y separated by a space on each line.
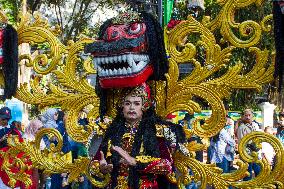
73 16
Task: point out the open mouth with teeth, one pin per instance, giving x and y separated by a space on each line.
125 70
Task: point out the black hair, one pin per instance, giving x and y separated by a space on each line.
146 134
60 116
10 63
188 116
278 19
156 46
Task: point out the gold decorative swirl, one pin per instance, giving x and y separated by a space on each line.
209 174
53 161
95 171
267 177
225 21
3 17
264 26
38 33
179 94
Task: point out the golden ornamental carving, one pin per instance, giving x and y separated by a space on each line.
179 93
13 159
225 21
72 93
209 174
3 17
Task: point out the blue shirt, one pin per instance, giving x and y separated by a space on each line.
280 135
219 147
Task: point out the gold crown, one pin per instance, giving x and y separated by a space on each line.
128 16
139 91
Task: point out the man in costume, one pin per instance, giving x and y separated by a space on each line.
136 145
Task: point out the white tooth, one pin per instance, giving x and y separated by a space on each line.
133 69
143 63
107 73
102 61
119 71
111 59
124 58
133 56
129 70
103 73
110 72
131 63
140 65
106 59
114 72
99 70
97 61
147 58
119 58
114 59
124 72
138 57
130 58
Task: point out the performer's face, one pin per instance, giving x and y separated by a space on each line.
132 108
3 122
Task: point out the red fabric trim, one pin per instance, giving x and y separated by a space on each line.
162 166
1 59
146 183
172 23
28 162
1 37
128 81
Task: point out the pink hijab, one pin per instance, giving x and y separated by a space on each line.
33 127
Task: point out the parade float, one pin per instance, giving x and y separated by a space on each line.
72 91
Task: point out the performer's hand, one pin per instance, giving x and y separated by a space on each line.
64 174
4 138
126 157
104 166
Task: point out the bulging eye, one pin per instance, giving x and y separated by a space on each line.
135 28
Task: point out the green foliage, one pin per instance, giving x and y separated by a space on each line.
12 8
74 17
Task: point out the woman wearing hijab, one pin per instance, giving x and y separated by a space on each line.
59 181
49 118
29 135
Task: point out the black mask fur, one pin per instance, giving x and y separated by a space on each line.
10 64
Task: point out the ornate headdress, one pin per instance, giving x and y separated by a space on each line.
142 91
128 16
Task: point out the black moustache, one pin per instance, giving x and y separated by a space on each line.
121 44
